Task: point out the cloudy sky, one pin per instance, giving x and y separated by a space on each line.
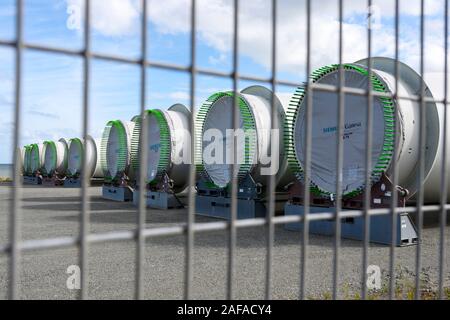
52 83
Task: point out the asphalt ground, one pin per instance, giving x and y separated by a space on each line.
54 212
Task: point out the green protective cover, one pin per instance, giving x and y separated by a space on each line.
74 140
36 160
165 143
27 160
389 136
122 156
49 144
248 124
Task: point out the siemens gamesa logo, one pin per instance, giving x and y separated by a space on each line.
347 126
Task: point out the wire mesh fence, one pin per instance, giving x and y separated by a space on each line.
17 246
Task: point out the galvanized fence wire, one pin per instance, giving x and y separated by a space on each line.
308 142
444 186
339 157
394 167
189 272
17 246
143 165
84 215
367 193
232 237
421 171
271 187
15 226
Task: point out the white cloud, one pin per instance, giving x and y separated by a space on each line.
221 59
180 95
112 17
215 28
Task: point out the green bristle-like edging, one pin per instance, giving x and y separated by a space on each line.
165 143
248 124
384 159
123 154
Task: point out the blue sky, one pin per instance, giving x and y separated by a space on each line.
52 86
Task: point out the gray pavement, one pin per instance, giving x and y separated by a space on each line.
53 212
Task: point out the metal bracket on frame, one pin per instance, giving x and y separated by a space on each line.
159 196
216 202
353 228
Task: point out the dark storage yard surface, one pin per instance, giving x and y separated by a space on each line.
54 212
